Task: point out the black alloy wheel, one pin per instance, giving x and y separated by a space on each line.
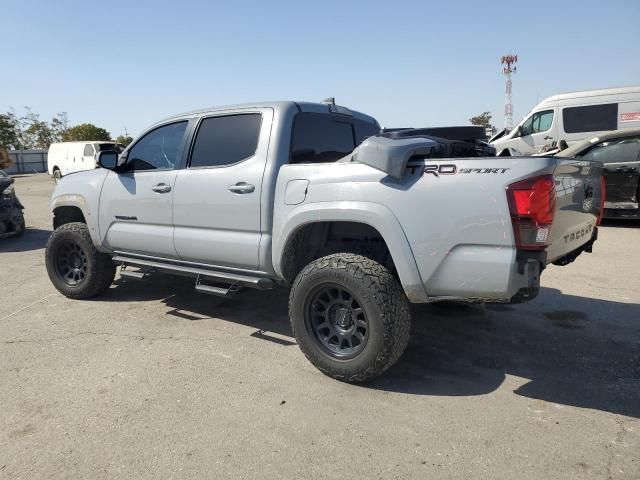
71 263
337 321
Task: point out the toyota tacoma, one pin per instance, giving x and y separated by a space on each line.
359 223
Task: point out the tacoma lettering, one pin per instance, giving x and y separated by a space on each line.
570 237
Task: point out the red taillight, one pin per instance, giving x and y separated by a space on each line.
603 196
532 204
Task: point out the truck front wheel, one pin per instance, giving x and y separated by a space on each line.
350 316
75 267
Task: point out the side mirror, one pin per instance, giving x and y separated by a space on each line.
518 132
108 159
122 161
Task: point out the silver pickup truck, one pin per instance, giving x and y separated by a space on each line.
313 196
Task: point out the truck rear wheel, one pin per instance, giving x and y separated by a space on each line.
350 316
75 267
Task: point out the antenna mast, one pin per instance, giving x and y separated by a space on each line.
508 67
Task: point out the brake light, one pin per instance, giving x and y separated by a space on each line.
603 196
532 204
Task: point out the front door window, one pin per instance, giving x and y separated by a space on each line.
539 122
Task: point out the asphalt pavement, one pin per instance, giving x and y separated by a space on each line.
152 380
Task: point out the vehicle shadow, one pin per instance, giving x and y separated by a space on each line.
576 351
620 223
31 239
264 310
570 350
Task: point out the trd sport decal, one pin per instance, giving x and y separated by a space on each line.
451 169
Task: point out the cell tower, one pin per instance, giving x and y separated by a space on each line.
508 67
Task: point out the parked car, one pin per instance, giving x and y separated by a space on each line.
619 151
69 157
310 196
571 117
11 216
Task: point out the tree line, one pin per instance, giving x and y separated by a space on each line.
29 132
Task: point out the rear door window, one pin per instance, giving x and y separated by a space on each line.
226 140
590 118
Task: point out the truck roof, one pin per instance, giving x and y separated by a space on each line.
277 106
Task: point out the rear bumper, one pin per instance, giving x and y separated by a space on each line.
478 274
571 256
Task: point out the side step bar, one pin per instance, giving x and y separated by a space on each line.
261 283
132 275
217 291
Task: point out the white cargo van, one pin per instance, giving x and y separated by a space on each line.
68 157
572 117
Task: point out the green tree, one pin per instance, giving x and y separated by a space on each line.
9 130
124 139
483 120
59 126
35 134
85 132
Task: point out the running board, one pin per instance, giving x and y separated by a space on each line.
132 275
261 283
217 291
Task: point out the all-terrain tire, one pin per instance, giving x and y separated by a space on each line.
98 268
379 295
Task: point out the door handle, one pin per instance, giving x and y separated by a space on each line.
548 138
161 188
242 187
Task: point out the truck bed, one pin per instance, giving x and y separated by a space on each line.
455 215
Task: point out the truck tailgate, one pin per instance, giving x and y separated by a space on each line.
579 200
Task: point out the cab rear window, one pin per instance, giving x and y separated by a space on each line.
322 138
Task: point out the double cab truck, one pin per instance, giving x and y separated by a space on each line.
314 197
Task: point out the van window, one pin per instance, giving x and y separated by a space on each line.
621 150
226 140
158 149
591 118
88 150
538 122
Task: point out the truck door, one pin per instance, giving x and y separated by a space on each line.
216 203
538 130
136 203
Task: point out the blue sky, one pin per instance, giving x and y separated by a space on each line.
127 64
